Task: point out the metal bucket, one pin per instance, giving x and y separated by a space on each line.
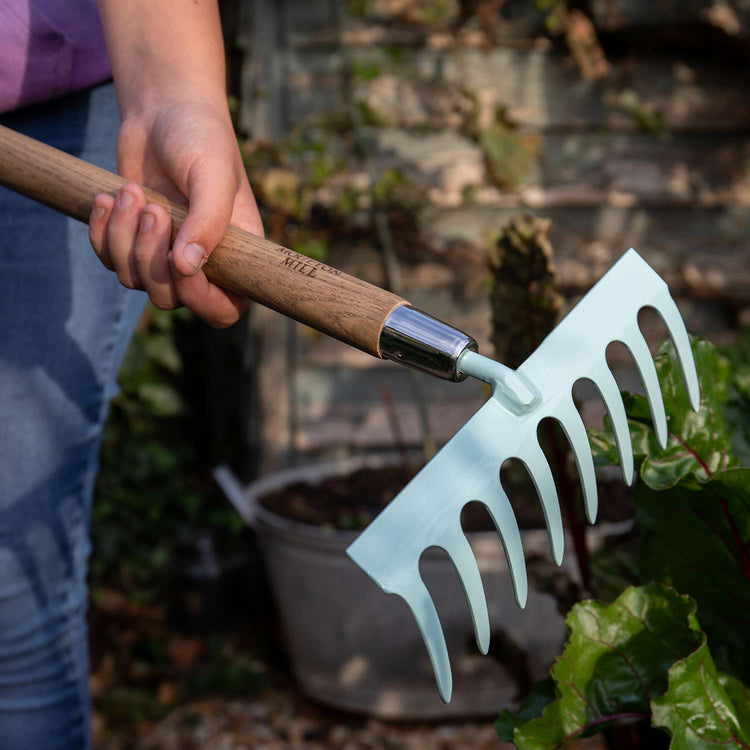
356 648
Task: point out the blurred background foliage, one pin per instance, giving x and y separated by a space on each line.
154 494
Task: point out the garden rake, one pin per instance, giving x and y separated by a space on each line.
427 512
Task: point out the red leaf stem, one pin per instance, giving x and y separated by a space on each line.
740 544
693 453
744 555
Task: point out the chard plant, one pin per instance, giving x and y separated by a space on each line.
669 658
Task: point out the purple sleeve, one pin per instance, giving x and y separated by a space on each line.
49 48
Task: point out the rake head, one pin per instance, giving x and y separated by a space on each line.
427 512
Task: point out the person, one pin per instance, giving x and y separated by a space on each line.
67 315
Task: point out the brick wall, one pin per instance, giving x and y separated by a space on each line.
653 154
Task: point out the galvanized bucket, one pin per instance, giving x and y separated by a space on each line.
356 648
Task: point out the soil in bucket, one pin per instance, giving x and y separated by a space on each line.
351 501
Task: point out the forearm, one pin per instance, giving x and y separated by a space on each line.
162 48
177 138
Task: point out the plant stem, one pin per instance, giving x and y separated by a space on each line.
744 554
568 500
392 414
741 547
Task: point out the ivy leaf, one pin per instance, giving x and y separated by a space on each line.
700 709
699 442
697 538
614 663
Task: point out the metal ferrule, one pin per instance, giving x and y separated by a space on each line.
418 340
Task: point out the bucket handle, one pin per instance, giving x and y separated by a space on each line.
236 494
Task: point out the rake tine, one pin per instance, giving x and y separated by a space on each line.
669 313
460 552
536 463
501 511
417 597
609 391
575 431
647 369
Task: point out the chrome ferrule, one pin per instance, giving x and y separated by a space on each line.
416 339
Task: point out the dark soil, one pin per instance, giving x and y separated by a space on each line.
352 501
348 502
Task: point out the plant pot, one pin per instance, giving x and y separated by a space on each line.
357 648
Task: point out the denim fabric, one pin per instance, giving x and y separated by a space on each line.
65 323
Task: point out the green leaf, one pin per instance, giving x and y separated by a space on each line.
739 694
614 663
741 381
509 156
603 447
366 70
162 399
700 709
541 695
699 442
161 350
312 247
737 414
738 353
697 538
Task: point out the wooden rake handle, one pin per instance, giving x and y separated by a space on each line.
311 292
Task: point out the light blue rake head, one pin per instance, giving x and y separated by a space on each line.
427 512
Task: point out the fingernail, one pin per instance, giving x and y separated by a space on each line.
147 221
195 255
98 210
124 199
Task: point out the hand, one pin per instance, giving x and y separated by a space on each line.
184 148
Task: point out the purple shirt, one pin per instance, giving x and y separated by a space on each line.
49 48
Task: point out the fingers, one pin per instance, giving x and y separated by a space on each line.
151 252
121 234
212 189
100 213
113 226
217 196
218 307
132 239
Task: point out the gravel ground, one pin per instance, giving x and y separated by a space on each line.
286 721
158 689
276 723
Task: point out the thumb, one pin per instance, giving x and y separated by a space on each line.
211 189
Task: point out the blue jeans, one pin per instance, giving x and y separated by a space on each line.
65 323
